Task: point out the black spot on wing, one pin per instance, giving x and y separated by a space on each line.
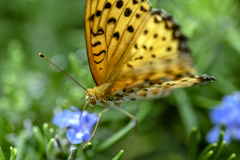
112 20
127 12
130 29
143 9
100 32
169 49
119 4
96 44
98 61
136 46
130 66
135 2
137 15
108 5
103 51
98 13
116 35
91 17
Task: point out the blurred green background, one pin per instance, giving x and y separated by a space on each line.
32 90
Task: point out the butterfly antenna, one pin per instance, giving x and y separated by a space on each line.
41 55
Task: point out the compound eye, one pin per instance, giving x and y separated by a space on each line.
92 101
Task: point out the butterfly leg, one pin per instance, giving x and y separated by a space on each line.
83 109
85 106
95 129
129 115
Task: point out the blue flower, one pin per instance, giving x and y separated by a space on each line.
228 113
79 124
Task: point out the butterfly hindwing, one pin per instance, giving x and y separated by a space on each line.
160 57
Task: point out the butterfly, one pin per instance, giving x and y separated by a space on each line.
135 52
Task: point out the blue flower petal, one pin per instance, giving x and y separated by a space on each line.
213 135
87 135
92 120
74 136
75 109
64 118
236 133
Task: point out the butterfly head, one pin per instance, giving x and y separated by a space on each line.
90 96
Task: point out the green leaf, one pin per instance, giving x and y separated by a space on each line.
219 151
119 155
21 145
46 130
39 137
115 138
186 110
50 148
193 144
51 132
232 156
12 153
207 155
219 147
206 150
142 113
1 154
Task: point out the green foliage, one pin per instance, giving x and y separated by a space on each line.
211 152
32 91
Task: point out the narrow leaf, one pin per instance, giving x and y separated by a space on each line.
12 154
1 154
51 132
21 145
207 155
206 150
219 145
39 137
46 131
219 151
232 156
50 147
186 110
119 155
193 144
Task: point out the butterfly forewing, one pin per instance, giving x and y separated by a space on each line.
111 28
